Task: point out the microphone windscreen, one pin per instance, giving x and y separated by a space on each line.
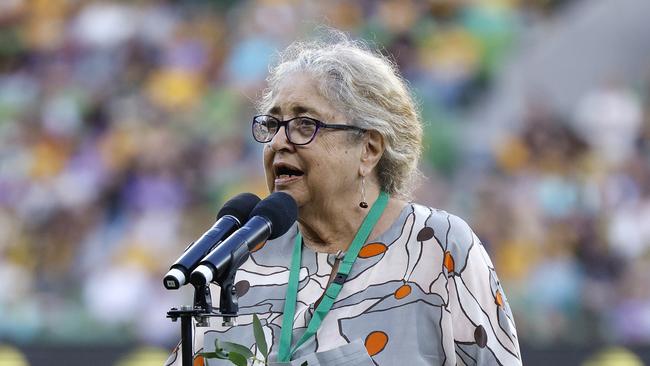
240 207
280 209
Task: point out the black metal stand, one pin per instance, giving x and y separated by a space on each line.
203 310
228 301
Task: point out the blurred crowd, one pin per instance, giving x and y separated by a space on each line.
565 210
125 125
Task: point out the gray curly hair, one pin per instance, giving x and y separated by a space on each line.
367 87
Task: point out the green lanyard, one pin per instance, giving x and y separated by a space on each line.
285 351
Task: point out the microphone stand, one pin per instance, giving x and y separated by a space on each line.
202 310
228 300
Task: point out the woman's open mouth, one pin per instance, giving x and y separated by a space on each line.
285 174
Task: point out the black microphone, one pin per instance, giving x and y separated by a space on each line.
233 213
271 218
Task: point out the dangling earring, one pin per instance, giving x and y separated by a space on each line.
363 203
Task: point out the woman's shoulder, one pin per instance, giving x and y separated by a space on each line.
446 227
438 215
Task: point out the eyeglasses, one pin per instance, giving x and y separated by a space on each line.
299 130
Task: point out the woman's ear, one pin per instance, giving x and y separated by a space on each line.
372 151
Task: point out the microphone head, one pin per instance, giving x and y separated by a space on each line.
239 207
280 209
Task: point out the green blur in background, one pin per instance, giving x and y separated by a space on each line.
125 125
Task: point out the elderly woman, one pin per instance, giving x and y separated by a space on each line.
365 277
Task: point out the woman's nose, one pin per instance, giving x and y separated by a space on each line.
280 141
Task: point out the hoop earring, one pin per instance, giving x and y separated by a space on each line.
363 203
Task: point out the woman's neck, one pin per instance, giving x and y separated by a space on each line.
332 227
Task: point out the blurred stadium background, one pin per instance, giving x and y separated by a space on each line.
125 124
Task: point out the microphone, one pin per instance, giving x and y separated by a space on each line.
230 217
270 219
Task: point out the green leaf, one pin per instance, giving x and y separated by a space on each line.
214 355
237 348
218 347
260 340
237 359
218 351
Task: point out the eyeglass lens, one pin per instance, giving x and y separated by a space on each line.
298 130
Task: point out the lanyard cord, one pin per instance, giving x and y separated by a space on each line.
285 351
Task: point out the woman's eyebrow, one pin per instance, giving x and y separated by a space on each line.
275 111
299 109
295 110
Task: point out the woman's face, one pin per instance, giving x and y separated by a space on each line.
322 171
